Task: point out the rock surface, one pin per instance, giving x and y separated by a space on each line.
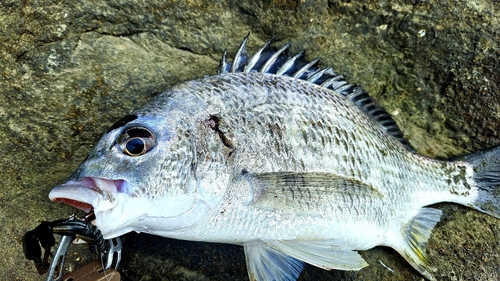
69 69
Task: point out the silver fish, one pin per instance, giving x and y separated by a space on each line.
282 157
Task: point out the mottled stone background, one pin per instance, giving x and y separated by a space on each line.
69 69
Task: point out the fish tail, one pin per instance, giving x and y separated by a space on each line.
486 166
486 176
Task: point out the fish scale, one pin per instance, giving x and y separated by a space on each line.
258 220
282 157
352 155
346 139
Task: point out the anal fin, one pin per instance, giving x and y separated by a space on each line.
415 237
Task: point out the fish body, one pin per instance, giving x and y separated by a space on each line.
281 157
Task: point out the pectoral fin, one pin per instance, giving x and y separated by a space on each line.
300 191
283 260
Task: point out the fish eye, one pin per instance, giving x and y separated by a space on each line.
136 141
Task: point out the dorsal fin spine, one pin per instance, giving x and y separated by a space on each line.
289 64
265 68
317 75
257 56
223 64
329 82
241 57
345 90
304 69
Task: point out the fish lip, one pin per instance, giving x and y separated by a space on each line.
89 192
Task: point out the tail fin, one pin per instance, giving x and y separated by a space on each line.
486 166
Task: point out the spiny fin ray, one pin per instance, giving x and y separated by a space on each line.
266 60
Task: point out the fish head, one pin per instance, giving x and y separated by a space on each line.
140 176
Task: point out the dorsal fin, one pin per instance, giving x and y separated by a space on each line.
267 60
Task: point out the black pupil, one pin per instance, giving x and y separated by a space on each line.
135 146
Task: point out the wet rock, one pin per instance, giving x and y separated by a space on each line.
69 69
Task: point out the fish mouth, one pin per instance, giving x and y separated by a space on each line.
89 192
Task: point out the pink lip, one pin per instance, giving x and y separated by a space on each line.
85 193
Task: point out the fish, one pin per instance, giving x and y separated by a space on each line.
282 157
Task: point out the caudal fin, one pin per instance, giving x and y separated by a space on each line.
486 166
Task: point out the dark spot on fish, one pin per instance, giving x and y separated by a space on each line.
215 122
304 136
194 166
120 123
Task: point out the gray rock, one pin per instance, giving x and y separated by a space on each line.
69 69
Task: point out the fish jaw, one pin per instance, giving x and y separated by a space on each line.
107 197
87 193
